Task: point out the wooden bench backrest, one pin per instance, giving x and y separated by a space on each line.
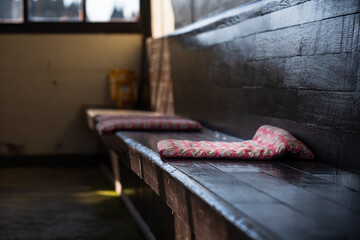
293 65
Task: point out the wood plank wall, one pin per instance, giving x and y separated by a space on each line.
190 11
292 64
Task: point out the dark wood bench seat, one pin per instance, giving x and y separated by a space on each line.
281 199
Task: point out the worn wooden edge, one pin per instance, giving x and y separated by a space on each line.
185 195
234 16
151 164
181 193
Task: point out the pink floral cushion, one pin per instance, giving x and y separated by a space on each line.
109 124
268 142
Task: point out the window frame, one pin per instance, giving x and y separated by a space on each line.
142 26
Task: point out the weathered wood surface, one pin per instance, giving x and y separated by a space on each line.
292 64
286 199
215 199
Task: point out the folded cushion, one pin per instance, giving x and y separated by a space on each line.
268 142
100 118
146 123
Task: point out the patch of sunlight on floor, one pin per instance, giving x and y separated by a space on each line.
108 193
129 191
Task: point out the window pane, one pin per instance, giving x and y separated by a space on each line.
55 10
112 10
11 11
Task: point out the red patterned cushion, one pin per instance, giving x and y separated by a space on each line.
268 142
146 123
100 118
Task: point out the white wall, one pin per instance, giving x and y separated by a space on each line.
162 18
46 79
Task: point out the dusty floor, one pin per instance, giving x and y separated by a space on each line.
61 203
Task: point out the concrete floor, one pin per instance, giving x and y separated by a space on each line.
61 203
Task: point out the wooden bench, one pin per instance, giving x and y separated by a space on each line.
203 199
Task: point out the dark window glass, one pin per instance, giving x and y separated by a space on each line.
55 10
11 11
112 10
74 16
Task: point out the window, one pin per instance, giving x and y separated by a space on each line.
74 16
10 11
110 10
55 11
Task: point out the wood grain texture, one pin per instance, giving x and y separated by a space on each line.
295 65
180 192
260 193
284 199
